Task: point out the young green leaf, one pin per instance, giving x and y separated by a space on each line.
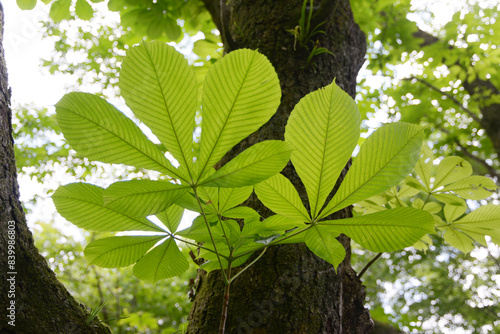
323 129
380 164
160 87
453 212
425 166
384 231
82 204
171 217
473 187
59 10
241 93
242 212
484 217
451 169
84 10
255 164
26 4
163 261
141 198
459 240
324 244
98 131
279 195
116 252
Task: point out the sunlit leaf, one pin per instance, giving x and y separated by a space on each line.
380 164
323 129
116 252
164 261
82 204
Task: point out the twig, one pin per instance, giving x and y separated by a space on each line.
448 95
369 264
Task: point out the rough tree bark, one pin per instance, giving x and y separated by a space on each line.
38 302
289 290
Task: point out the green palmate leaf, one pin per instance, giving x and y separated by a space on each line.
141 198
188 201
171 217
485 217
198 230
385 231
324 244
274 225
82 204
26 4
451 169
425 166
242 212
279 195
59 10
473 187
221 199
380 164
116 252
160 88
252 166
323 129
84 10
453 212
459 240
97 130
449 199
241 93
163 261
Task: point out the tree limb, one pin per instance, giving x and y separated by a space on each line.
448 95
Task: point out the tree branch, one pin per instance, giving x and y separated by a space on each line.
448 95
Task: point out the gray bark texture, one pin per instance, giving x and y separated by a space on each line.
289 290
39 303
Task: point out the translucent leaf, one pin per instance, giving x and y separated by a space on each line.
451 169
453 212
160 87
164 261
171 217
381 163
425 165
242 212
385 231
432 207
255 164
59 10
459 240
241 93
219 200
141 198
98 131
278 194
82 204
116 252
322 242
26 4
449 199
84 10
473 187
323 129
484 217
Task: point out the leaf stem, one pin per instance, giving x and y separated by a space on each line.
209 231
369 264
195 245
225 302
250 264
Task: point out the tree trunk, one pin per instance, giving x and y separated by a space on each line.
32 299
289 290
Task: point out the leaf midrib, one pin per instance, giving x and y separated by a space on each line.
168 112
368 180
227 118
125 141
